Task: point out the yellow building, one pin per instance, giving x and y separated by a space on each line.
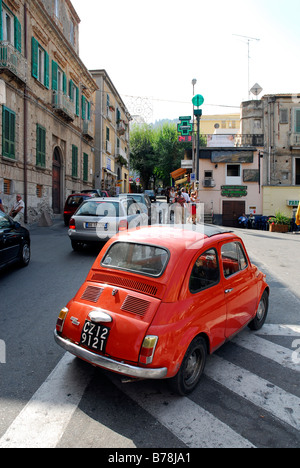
226 122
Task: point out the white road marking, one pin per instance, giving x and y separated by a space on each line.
190 423
275 352
262 393
44 419
279 330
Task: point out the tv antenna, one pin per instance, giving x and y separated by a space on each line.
248 40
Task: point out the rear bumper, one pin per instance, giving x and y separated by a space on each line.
110 364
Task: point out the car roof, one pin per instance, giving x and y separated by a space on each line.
79 194
173 237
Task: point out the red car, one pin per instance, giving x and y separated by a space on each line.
72 203
158 300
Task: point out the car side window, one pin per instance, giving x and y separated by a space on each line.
205 272
233 258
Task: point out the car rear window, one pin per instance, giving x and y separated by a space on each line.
76 200
149 260
99 208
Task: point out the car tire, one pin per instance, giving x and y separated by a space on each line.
25 254
191 368
261 313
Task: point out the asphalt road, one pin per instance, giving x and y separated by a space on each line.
49 399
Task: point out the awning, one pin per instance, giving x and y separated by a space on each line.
113 174
178 173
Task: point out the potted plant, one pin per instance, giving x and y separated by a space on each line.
279 223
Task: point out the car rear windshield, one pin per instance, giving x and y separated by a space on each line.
99 208
76 200
144 259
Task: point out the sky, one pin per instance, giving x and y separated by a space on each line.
153 50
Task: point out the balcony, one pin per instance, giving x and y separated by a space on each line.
295 140
231 140
88 129
121 127
12 62
63 105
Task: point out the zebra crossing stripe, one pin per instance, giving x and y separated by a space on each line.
262 393
44 419
190 423
275 352
279 330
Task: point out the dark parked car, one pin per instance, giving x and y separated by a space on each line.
72 203
14 242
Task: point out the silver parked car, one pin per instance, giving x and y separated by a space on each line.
99 219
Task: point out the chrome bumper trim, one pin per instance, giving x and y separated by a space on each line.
110 364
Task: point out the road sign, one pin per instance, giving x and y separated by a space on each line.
193 177
198 100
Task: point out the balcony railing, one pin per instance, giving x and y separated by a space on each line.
12 61
63 105
231 140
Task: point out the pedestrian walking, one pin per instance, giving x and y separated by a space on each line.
298 215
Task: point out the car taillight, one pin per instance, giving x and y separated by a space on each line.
61 319
123 225
148 349
72 223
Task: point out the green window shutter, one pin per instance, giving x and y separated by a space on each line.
85 166
297 119
1 29
8 133
18 37
64 83
47 78
83 101
34 58
77 100
71 90
40 146
54 75
89 111
74 161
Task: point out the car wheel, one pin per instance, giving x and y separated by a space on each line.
191 368
261 313
25 254
77 246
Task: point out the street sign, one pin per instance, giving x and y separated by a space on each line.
193 177
198 100
185 127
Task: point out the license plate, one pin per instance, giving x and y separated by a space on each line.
94 336
90 225
103 226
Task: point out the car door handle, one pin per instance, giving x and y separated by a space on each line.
227 291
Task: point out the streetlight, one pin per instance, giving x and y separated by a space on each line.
194 82
198 100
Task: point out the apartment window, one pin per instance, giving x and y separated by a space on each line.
8 133
40 63
107 134
39 191
85 108
257 124
59 79
297 120
74 96
7 187
72 33
40 146
10 28
56 8
85 167
283 116
74 161
233 174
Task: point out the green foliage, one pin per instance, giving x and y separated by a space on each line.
156 152
279 218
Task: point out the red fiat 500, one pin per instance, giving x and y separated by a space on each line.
158 300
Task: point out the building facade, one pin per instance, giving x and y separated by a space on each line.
277 118
47 116
111 137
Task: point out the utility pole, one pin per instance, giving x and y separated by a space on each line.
249 39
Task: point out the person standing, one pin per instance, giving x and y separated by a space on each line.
1 206
17 211
298 215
